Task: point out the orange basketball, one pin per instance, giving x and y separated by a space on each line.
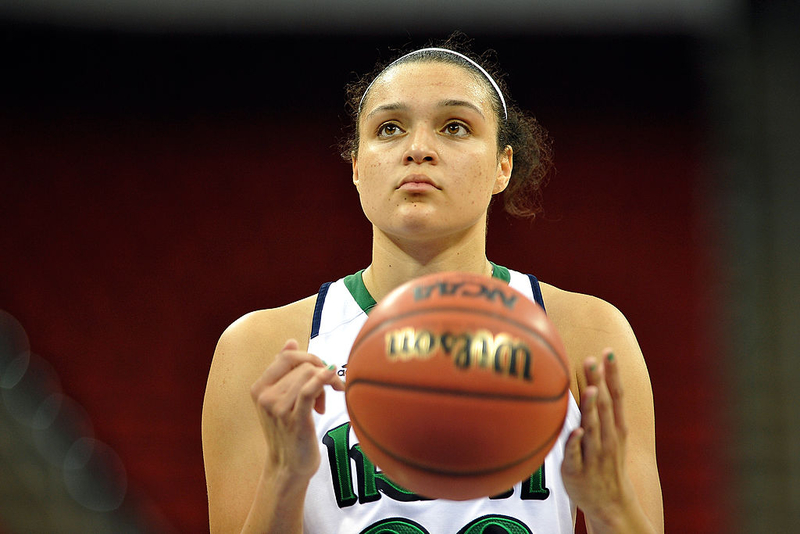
457 386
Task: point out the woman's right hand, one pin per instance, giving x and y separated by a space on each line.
284 396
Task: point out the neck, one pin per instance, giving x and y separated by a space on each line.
395 261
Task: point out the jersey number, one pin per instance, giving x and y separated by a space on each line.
488 524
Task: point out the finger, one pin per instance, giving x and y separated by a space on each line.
614 382
590 423
280 398
275 399
286 360
573 455
590 367
333 380
596 375
319 402
312 393
336 383
329 377
285 393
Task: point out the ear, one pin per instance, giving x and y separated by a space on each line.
354 163
504 167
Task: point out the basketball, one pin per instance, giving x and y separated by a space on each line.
457 386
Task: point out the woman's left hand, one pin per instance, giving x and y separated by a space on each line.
594 467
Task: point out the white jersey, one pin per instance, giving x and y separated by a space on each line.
349 495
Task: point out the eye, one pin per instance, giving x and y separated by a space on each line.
456 129
388 129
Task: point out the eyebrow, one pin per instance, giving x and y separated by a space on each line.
461 103
442 104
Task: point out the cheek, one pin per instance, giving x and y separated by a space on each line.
478 184
370 162
369 176
369 187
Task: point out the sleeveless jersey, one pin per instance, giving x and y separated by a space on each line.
349 495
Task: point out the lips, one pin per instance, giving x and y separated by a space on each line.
417 182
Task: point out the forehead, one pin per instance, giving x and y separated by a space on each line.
429 80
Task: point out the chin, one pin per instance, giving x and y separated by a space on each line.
427 229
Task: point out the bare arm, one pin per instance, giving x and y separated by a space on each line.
610 467
259 443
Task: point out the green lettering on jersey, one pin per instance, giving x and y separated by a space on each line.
495 524
337 440
534 489
395 525
371 482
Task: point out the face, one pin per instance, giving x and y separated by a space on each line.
428 162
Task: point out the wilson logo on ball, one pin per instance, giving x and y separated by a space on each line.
481 349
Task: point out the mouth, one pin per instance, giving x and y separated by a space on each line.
417 182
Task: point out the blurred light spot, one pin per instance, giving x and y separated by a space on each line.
14 371
95 476
14 350
37 382
47 412
66 426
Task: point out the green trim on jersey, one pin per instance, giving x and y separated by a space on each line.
355 285
500 272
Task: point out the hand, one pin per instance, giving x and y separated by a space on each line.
284 396
594 470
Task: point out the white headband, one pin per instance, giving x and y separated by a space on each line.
462 56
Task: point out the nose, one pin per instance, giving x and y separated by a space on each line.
421 148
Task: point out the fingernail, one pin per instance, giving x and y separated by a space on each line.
331 367
610 357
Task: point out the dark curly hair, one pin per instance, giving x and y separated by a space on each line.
532 145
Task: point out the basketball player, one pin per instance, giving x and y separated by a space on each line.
436 137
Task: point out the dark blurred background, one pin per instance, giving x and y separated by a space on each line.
165 170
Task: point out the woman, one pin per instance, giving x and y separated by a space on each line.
435 139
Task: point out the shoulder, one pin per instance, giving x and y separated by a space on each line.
258 329
587 326
579 313
245 349
250 343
